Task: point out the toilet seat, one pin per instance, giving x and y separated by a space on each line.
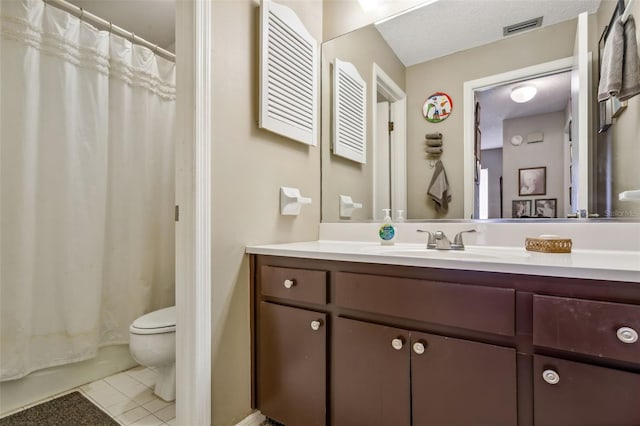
156 322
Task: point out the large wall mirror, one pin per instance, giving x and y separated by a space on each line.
502 158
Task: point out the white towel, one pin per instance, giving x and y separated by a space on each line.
611 71
439 188
631 63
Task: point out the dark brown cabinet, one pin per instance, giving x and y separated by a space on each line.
354 344
370 369
576 394
402 375
458 382
570 393
292 365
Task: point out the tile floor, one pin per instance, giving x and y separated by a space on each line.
128 397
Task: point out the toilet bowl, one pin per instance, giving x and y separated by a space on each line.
152 343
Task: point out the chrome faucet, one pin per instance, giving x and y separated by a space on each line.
439 241
458 244
431 242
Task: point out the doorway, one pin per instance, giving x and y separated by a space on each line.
389 146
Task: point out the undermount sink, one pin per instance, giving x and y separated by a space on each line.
469 253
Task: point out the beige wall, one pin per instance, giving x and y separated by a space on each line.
448 74
548 153
341 176
249 166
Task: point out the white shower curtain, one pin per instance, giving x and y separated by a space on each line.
86 188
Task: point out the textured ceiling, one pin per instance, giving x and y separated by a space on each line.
496 105
448 26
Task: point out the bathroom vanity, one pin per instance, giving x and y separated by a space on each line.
373 339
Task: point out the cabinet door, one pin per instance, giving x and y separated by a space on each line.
292 365
583 394
370 375
460 383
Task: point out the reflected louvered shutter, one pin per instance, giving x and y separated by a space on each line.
288 75
349 112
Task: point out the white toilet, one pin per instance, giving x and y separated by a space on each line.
152 343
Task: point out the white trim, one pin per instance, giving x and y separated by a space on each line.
194 23
565 64
582 66
398 104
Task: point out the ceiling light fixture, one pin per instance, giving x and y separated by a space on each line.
522 94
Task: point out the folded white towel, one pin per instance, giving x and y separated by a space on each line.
434 142
439 188
631 63
433 150
611 70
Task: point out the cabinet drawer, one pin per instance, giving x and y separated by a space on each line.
584 395
302 285
472 307
586 326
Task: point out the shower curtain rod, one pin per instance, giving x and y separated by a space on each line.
106 25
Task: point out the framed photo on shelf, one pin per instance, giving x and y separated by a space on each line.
546 207
520 208
532 181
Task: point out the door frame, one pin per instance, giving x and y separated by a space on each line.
193 164
398 152
539 70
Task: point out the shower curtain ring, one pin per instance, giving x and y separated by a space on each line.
81 13
133 37
110 27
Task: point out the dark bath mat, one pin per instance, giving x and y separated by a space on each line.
70 409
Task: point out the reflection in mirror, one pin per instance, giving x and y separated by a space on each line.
439 47
517 136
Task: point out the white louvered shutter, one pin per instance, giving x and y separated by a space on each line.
288 75
349 112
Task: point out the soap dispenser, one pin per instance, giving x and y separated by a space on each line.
387 231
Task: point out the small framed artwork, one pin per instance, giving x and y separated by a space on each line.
546 207
532 181
521 208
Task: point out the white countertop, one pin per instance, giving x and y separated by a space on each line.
612 265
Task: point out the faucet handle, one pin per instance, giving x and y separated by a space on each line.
431 242
457 240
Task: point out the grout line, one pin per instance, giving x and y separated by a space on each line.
94 401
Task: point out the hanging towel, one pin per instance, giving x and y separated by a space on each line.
631 62
439 188
434 142
436 135
433 150
611 71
